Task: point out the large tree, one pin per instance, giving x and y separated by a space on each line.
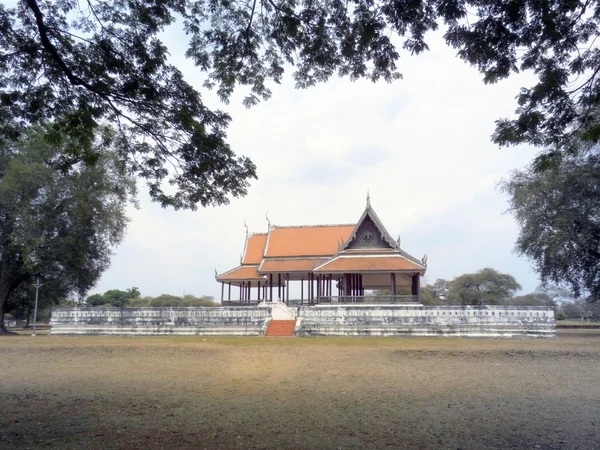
57 223
558 210
84 62
485 287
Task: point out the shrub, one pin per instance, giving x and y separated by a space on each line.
560 315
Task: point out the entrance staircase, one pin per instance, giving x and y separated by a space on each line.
281 328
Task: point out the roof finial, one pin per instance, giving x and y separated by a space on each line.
268 221
368 199
398 241
216 274
246 226
424 260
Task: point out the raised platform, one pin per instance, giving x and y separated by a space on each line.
339 320
219 321
418 320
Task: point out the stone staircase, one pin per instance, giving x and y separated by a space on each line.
281 328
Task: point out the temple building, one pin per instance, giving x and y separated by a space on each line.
328 263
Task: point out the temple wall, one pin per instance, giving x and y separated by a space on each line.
401 320
231 321
325 320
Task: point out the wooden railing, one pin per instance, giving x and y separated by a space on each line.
365 300
239 303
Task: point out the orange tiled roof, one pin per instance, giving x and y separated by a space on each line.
370 250
319 240
241 273
367 264
290 265
255 248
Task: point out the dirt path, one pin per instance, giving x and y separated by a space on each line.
97 392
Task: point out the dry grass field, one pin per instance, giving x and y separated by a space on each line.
273 393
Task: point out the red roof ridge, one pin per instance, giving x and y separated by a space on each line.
286 258
315 226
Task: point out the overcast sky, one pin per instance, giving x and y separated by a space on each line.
421 147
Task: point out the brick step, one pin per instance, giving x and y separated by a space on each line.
281 328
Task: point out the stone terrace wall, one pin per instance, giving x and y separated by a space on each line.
237 321
322 320
399 320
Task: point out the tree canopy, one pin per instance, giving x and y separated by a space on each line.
558 211
84 63
132 298
58 225
485 287
114 297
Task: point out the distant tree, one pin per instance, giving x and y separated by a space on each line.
134 292
558 294
582 309
114 297
139 302
486 287
117 298
558 212
58 221
205 300
166 300
95 300
428 296
439 289
533 299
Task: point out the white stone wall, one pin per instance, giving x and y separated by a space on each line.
236 321
346 320
398 320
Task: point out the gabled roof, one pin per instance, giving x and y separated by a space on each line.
362 247
370 263
317 240
241 273
254 248
290 265
367 218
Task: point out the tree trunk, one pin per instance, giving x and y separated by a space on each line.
5 291
7 285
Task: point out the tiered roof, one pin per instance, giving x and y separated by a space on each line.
351 248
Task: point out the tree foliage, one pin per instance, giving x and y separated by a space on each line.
132 298
485 287
533 299
559 216
167 300
57 224
582 309
114 297
83 63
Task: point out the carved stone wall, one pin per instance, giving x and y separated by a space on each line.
237 321
400 320
355 320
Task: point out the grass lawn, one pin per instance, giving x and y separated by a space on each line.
272 393
574 323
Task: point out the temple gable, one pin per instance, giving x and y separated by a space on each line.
367 235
